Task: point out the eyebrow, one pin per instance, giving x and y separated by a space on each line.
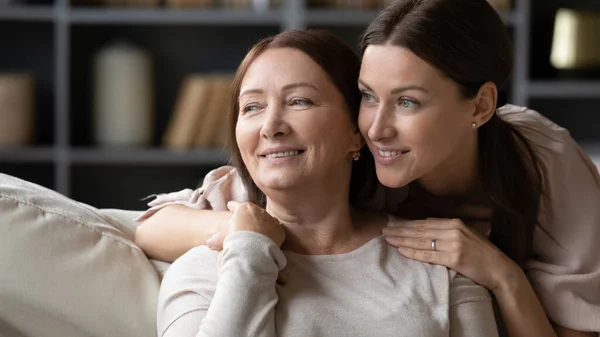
398 89
285 88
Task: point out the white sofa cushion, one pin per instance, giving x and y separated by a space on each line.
67 271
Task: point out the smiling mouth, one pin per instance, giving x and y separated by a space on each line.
389 154
284 154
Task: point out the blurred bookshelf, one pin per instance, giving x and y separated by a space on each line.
57 40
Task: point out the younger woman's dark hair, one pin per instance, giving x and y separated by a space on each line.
341 64
467 41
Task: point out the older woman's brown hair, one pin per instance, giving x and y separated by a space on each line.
342 65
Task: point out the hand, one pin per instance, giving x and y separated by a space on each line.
457 247
248 217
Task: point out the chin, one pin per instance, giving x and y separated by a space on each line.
276 181
391 178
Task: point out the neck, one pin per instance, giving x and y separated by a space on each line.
318 220
459 174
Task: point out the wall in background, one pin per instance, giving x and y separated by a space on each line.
58 41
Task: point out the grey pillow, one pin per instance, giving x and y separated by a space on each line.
65 270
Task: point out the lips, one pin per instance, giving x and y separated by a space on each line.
391 153
281 152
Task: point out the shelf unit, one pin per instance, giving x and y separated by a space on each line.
103 177
564 89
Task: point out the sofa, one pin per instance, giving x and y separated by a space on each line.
69 269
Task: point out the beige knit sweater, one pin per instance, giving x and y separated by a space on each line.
371 291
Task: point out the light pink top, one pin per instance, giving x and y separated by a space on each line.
565 269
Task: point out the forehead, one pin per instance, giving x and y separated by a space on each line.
399 64
281 66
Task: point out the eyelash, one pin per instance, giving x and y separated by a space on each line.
410 101
304 101
367 97
294 102
247 107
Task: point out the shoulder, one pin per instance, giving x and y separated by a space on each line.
537 129
564 165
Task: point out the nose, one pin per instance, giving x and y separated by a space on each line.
274 125
382 128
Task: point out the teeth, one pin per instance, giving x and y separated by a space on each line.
388 153
283 154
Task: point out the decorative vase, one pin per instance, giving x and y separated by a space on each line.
16 109
123 96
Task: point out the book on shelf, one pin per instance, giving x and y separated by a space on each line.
200 113
190 3
189 107
216 114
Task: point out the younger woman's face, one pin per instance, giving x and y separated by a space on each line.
413 118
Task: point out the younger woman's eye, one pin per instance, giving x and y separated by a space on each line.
408 103
367 97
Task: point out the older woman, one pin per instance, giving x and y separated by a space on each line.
294 140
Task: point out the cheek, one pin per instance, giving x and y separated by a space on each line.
246 135
365 120
434 137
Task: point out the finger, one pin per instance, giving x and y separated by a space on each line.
430 223
232 205
423 233
429 256
436 223
421 244
215 242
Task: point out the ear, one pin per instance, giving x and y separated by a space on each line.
485 103
358 142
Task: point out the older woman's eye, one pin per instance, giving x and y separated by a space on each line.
408 103
301 102
250 108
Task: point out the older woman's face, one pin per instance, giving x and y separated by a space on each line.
413 118
293 129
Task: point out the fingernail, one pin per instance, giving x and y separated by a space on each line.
209 243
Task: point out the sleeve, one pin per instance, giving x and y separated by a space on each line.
219 186
199 298
471 311
565 268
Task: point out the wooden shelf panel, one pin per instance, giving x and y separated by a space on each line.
341 17
16 155
27 13
564 89
150 156
127 16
